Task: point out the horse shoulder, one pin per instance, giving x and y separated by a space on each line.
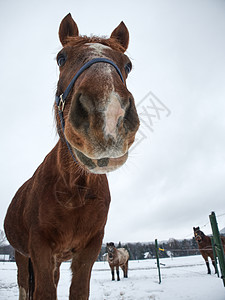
24 207
47 201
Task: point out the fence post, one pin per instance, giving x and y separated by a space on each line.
157 258
215 257
218 244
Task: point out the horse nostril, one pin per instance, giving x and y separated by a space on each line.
79 113
130 104
131 120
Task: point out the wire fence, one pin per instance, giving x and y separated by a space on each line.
205 225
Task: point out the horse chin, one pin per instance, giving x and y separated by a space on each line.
102 165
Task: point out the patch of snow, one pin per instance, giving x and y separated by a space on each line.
183 278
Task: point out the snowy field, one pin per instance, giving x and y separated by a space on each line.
182 278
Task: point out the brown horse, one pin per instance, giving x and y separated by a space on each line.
61 211
117 258
205 247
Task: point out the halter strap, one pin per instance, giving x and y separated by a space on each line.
61 99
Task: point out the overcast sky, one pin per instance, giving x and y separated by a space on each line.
175 175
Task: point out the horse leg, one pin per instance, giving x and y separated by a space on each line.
22 275
213 262
207 265
126 270
205 256
44 265
118 273
81 266
214 265
113 273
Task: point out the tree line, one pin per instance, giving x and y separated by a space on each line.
137 251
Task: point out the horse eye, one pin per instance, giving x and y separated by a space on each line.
128 68
61 60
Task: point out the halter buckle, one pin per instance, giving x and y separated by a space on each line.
61 104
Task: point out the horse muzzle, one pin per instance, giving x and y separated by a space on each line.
100 166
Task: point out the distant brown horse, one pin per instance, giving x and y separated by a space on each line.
61 211
117 257
205 247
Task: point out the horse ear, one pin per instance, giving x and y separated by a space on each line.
194 228
67 28
121 34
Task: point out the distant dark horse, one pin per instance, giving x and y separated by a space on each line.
61 211
117 258
205 247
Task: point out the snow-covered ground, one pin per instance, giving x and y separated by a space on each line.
182 278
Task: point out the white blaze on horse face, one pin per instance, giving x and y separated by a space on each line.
113 114
114 111
98 49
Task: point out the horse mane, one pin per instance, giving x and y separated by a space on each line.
202 232
79 41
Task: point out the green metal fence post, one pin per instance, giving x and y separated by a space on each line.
157 258
218 244
215 257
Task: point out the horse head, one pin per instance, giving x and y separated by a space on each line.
99 120
198 234
110 247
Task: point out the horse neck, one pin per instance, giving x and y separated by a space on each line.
71 172
205 241
70 179
115 254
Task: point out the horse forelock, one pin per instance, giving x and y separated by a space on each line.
80 41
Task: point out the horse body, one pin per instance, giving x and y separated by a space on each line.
61 211
55 228
117 258
205 247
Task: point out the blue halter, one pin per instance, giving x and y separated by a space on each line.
61 99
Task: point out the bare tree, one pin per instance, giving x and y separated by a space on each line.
2 238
